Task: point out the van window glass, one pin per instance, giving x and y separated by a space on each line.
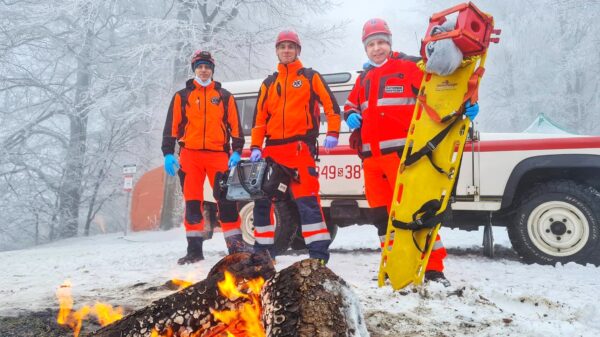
246 110
336 78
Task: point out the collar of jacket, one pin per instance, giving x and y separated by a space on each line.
290 67
191 84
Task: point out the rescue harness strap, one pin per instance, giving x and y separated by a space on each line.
427 150
428 218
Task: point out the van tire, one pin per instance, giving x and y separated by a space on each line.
554 218
285 212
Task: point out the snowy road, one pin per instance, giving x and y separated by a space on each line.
488 297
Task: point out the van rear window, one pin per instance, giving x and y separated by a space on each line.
337 78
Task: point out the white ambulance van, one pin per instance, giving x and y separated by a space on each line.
542 186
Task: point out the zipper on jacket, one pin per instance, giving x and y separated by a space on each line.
284 100
204 134
306 113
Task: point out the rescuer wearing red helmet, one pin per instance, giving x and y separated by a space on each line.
380 108
287 116
203 119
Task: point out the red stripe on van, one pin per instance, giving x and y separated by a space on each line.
494 145
536 144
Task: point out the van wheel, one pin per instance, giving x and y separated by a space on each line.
285 212
247 223
557 221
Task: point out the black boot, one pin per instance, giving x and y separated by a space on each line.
436 276
194 251
236 244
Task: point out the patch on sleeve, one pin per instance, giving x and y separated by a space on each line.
394 89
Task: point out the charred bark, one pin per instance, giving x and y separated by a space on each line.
307 299
189 310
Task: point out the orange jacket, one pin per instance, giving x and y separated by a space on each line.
385 97
203 118
287 107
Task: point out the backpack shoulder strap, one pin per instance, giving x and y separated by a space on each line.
225 96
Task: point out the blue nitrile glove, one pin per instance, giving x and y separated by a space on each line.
330 142
255 155
354 121
234 159
171 164
471 111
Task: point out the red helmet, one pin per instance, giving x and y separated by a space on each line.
288 35
375 26
202 55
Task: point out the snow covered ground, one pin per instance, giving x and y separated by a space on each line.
501 297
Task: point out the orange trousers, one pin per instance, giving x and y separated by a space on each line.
196 166
305 193
380 181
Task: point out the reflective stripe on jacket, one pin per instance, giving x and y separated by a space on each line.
385 97
287 107
203 118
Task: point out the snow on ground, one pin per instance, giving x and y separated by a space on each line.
488 297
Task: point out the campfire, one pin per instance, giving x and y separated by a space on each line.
242 296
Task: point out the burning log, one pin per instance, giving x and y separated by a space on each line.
189 312
307 299
304 300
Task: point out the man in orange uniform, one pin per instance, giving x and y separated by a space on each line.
287 115
381 104
203 117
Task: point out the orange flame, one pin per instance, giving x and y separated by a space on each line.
247 318
242 322
104 313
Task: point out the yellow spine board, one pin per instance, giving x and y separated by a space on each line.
402 262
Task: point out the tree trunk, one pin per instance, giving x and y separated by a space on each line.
90 213
70 190
168 216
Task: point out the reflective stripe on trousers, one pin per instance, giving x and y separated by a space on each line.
315 232
264 235
196 234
